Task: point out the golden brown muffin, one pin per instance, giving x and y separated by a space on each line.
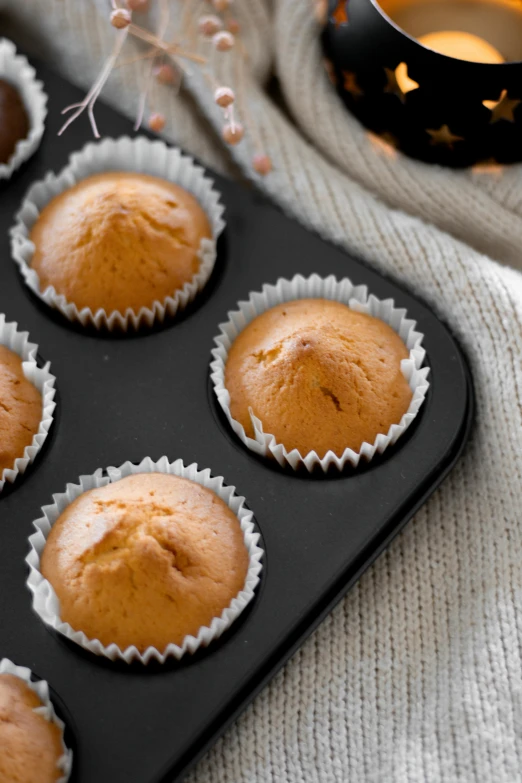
20 409
145 561
14 122
119 240
30 746
318 375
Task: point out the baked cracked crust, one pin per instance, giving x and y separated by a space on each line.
318 375
20 409
30 746
119 240
145 561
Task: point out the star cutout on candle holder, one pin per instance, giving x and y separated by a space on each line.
503 108
384 144
389 138
351 85
490 167
339 16
443 135
399 83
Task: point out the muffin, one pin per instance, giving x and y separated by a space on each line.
320 376
30 746
145 561
20 409
14 121
118 241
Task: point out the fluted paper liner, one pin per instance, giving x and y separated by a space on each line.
15 69
357 298
142 156
45 600
41 688
41 377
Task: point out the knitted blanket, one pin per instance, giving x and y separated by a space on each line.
416 676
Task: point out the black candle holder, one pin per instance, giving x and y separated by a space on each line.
451 112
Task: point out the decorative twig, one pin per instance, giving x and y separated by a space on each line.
157 121
138 58
144 35
219 28
90 99
261 162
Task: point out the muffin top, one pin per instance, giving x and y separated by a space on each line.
30 746
119 240
318 375
20 409
14 122
145 561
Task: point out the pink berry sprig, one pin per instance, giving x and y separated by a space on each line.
225 39
121 18
219 28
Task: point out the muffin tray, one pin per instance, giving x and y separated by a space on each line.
149 394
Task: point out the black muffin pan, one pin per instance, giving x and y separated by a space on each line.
149 394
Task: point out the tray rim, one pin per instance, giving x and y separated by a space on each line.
181 769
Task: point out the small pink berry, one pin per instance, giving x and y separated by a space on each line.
221 5
262 164
165 74
210 25
223 41
224 96
137 5
233 133
233 26
156 122
120 18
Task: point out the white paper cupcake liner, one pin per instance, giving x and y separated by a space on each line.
138 155
18 342
41 688
47 605
15 69
356 297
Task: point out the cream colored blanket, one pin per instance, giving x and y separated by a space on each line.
416 676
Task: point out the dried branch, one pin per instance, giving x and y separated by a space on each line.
162 29
91 97
220 29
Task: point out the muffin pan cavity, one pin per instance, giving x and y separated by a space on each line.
121 399
140 156
356 299
37 697
47 605
18 73
39 375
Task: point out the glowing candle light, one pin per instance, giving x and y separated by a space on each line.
443 77
453 43
402 81
462 46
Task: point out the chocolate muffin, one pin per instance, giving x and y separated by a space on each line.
320 376
145 561
119 240
30 746
20 409
14 121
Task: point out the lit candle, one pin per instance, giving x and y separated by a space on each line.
462 46
453 43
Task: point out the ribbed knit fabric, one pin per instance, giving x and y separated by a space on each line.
416 676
